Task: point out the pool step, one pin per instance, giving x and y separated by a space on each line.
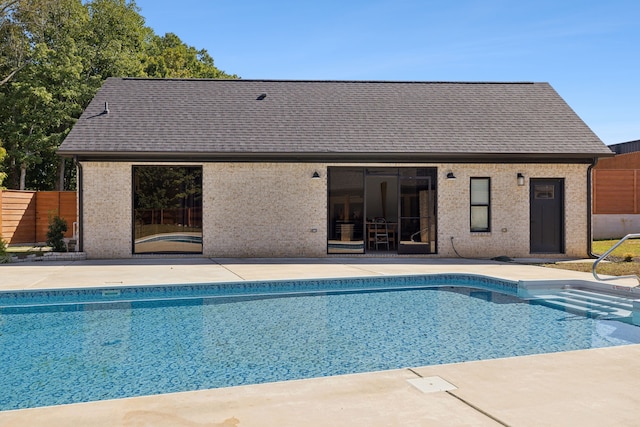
590 304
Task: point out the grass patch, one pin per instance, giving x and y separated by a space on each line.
604 268
24 251
629 247
623 261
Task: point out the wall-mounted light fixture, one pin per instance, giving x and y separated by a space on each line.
520 179
450 175
316 175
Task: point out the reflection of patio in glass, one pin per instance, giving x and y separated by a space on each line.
170 242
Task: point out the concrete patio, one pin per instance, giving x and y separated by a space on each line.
587 388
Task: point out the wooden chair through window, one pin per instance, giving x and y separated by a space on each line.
380 233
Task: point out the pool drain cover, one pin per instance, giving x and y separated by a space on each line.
431 384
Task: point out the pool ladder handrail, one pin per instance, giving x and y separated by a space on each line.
424 230
604 255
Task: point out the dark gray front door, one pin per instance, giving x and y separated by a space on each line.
547 216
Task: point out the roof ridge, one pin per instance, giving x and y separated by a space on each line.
331 81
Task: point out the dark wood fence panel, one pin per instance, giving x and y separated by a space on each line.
615 191
25 214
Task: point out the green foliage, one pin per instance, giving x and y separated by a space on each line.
4 256
169 57
55 234
54 56
3 175
114 40
166 187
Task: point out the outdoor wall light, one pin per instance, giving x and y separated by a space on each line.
450 175
520 179
315 175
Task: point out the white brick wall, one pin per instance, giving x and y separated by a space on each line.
270 209
106 210
509 209
264 210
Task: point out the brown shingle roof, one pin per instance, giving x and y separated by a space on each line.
329 119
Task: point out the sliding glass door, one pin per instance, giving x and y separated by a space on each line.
381 209
346 211
373 210
417 215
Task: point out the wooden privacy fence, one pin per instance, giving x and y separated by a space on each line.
616 191
24 215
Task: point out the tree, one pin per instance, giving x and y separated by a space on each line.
13 47
40 104
54 56
3 154
169 57
114 42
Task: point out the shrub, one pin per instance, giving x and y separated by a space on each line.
55 235
4 255
628 257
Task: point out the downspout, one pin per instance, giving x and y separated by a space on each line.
594 162
80 186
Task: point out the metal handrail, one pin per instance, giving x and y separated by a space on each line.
604 255
426 229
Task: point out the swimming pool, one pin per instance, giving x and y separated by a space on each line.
70 346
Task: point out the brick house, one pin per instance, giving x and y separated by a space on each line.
256 168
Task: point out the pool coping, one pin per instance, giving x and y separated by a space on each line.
162 292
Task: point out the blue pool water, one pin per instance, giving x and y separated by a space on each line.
70 346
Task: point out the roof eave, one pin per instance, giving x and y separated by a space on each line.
409 157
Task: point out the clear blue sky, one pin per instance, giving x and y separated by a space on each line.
588 50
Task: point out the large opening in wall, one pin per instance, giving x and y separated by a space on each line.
167 209
378 210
